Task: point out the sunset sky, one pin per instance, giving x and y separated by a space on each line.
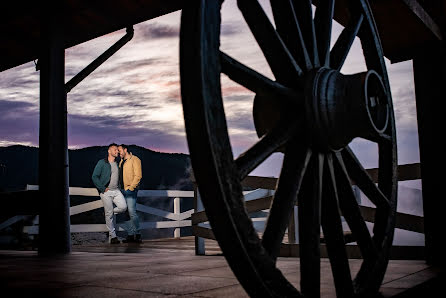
134 97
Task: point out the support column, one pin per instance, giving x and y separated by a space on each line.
430 81
54 226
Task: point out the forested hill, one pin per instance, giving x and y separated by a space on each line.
19 167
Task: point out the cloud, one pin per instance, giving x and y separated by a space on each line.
20 84
136 93
11 143
121 68
85 130
19 122
239 114
155 30
129 66
152 31
231 29
14 106
408 146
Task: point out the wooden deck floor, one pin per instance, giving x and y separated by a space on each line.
170 268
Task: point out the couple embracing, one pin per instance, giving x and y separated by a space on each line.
118 184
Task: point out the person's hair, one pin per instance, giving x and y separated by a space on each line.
111 145
125 147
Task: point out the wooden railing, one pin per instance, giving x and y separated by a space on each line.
256 200
175 219
260 200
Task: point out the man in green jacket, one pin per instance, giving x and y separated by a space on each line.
106 179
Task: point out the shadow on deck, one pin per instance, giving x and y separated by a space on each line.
170 268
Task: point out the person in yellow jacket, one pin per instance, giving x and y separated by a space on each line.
130 177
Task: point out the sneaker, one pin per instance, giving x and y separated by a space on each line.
127 216
129 239
138 238
115 240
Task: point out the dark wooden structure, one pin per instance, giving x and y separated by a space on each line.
81 20
42 32
318 166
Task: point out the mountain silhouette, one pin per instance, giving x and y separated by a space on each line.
19 166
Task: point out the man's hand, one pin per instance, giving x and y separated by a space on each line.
106 190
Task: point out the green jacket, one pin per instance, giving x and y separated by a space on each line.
101 175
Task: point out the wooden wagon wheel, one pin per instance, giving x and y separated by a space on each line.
319 112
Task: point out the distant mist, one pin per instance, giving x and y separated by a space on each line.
410 201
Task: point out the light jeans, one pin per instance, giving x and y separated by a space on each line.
131 226
108 198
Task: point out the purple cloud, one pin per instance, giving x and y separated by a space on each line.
152 31
84 131
19 122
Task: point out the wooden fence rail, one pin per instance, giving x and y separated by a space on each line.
257 201
175 219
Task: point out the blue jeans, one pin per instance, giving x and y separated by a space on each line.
132 225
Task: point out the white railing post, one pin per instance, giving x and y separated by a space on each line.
177 211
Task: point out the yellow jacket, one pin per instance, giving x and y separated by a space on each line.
132 172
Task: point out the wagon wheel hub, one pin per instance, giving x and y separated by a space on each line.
341 107
338 108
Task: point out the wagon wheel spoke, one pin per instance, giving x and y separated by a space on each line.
255 81
363 179
266 146
304 15
293 170
289 30
282 64
309 199
351 211
384 137
334 234
323 21
344 42
379 137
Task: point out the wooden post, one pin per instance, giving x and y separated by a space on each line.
177 210
54 226
200 248
430 78
198 206
293 229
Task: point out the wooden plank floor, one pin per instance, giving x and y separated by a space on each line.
170 268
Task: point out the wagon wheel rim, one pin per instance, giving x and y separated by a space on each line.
318 167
